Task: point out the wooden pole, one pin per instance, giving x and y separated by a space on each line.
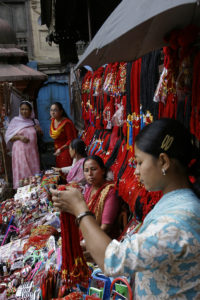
3 151
89 21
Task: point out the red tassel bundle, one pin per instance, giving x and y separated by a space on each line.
74 267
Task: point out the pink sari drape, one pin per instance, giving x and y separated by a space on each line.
76 173
25 157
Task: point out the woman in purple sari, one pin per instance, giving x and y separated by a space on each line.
21 135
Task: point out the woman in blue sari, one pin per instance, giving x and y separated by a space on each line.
164 255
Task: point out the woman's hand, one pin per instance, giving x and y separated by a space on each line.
71 200
58 151
24 139
38 129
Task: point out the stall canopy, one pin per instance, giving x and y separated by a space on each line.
137 27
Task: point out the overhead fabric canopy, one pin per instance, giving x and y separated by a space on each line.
137 27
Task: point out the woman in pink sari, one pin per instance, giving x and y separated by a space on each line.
74 173
22 136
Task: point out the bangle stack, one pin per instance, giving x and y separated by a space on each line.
82 215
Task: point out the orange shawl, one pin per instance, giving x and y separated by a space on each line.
54 133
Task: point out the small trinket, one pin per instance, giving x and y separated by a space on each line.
25 271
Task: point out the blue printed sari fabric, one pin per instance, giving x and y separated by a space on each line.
164 255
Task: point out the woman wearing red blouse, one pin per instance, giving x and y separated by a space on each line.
62 130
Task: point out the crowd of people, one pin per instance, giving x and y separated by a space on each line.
162 257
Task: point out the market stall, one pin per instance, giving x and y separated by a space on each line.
29 238
33 265
118 99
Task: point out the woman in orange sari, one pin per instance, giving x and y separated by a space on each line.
62 130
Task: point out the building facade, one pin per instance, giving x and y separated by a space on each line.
24 17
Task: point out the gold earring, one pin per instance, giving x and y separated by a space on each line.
163 172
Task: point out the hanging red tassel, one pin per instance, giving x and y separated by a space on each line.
74 267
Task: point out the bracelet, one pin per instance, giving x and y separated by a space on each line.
82 215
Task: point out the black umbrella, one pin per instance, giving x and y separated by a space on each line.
137 27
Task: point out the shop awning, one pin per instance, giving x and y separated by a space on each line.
20 72
137 27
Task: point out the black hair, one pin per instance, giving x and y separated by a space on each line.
27 104
99 161
60 107
79 147
171 137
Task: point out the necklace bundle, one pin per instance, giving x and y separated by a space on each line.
95 96
39 237
85 95
74 267
51 285
88 134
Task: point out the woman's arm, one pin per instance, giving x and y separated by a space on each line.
38 129
106 228
96 240
62 148
70 134
21 138
66 170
